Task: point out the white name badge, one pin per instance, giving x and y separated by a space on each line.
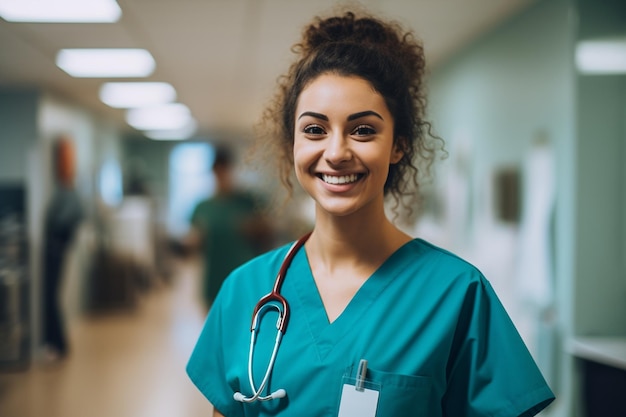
355 403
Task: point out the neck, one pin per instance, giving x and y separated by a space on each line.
354 239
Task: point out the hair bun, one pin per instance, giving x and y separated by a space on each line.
346 29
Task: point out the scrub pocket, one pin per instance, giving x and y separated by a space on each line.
400 395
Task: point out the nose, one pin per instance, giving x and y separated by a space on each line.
337 149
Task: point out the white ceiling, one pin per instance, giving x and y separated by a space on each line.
222 56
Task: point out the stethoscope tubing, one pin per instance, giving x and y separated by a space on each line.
272 300
256 393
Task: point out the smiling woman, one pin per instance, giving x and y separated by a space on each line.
380 323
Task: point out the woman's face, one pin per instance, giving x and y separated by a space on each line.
343 144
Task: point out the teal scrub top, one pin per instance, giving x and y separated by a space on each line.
437 340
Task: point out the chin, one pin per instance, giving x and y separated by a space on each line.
337 210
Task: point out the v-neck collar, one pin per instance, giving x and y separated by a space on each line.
326 334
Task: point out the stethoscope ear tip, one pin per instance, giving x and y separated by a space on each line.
280 393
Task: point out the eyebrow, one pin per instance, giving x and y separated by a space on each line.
363 114
350 117
313 114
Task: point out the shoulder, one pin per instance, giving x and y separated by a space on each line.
201 204
439 278
440 262
198 211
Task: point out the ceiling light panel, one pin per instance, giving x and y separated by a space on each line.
165 117
177 134
105 63
136 94
60 11
601 56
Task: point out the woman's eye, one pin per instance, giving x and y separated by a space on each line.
363 130
313 130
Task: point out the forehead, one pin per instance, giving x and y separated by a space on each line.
339 92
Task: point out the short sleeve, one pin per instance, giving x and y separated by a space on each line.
206 366
490 371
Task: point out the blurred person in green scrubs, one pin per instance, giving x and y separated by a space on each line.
229 227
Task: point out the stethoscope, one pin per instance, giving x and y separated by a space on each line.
273 300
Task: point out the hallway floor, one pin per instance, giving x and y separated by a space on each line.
123 365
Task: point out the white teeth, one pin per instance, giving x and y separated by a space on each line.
344 179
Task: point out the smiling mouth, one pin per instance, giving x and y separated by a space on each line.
340 179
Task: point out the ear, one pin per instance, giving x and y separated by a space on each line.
397 152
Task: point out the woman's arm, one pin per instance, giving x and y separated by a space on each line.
217 413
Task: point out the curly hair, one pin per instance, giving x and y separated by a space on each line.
382 53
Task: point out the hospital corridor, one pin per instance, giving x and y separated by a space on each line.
128 195
126 364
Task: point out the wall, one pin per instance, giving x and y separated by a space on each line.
600 279
18 132
600 295
150 160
